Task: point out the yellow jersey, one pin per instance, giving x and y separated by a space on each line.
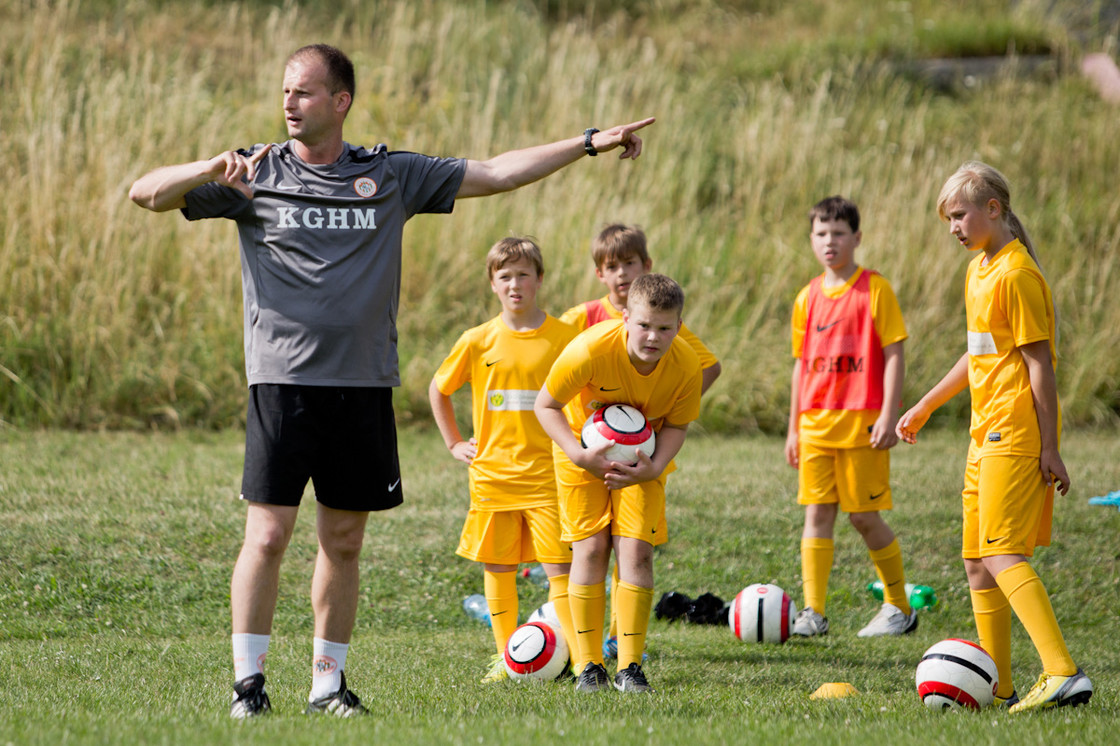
513 468
842 428
577 316
1008 305
594 370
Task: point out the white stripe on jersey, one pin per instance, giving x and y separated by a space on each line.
981 343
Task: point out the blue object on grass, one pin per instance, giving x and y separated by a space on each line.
1112 498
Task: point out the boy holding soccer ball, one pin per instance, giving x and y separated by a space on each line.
642 362
621 255
845 391
513 515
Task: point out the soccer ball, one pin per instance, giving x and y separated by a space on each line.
762 612
546 613
536 652
955 674
623 424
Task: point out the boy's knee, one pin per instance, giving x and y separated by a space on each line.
865 522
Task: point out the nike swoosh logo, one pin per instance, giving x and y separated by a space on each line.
393 486
892 585
876 497
515 647
583 631
827 326
630 634
616 388
993 541
493 363
499 613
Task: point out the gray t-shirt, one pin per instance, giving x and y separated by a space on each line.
321 259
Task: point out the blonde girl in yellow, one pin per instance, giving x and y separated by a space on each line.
513 514
1013 459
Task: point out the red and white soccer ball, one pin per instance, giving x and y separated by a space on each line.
762 612
623 424
546 613
536 652
957 674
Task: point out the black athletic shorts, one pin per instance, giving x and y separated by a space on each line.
343 439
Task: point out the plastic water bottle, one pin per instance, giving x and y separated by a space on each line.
536 576
476 608
920 596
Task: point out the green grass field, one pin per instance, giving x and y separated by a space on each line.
114 622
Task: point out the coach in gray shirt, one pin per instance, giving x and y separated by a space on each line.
320 224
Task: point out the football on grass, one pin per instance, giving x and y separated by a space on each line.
956 674
762 612
536 652
623 424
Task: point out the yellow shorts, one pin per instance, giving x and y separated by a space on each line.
1008 508
859 479
587 506
510 537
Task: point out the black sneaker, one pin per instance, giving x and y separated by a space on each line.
343 703
631 679
594 678
249 698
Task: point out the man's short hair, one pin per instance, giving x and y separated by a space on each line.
340 70
656 292
512 249
836 208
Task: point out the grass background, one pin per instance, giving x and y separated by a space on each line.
114 606
111 317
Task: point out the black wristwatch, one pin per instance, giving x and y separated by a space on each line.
587 146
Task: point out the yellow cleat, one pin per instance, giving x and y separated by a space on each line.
497 670
1056 691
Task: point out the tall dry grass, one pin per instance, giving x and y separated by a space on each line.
111 316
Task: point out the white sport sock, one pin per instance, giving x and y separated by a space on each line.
328 661
249 652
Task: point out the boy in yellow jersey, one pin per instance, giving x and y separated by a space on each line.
620 254
513 514
1013 458
846 386
640 361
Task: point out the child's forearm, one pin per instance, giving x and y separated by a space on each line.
1044 391
954 382
794 398
443 412
894 372
669 442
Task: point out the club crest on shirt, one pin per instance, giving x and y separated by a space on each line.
365 187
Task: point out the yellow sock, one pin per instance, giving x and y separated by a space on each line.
1027 596
816 566
613 629
501 597
888 565
558 595
993 626
633 604
589 604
